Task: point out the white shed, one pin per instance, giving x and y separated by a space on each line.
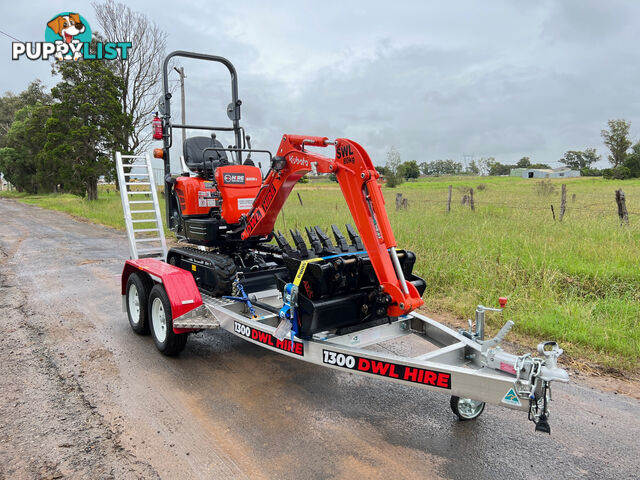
561 172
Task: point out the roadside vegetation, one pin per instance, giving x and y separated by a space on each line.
575 281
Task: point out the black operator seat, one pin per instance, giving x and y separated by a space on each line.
201 160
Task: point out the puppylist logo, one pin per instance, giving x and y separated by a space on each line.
68 37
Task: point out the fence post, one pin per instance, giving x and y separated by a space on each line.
622 207
449 199
473 205
401 203
563 201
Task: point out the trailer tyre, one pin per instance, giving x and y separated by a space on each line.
161 323
466 408
137 294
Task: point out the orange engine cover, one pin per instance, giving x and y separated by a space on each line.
196 195
239 185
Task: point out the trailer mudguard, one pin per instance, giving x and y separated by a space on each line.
179 284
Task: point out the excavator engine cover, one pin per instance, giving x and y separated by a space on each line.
239 185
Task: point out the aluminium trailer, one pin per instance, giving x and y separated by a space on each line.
164 299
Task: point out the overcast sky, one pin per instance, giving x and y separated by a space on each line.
495 78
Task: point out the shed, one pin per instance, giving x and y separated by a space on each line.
562 172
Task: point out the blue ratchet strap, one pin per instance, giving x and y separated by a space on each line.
289 311
242 298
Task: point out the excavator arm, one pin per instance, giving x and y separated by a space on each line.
357 178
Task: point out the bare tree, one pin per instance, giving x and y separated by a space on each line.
141 71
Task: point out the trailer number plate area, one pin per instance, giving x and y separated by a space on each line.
387 369
268 339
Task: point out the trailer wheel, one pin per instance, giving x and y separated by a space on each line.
466 408
138 288
161 323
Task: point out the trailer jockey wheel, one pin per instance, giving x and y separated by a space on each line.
138 288
466 408
161 323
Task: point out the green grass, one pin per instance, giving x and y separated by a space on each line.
576 281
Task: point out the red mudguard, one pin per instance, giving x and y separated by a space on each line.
179 284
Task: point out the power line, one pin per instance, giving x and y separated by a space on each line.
11 37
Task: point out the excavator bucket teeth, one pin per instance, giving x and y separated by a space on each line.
341 242
314 240
283 244
299 241
356 241
327 247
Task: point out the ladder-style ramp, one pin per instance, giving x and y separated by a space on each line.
141 207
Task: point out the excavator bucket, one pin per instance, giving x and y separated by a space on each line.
338 288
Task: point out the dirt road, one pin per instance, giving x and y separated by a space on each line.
81 396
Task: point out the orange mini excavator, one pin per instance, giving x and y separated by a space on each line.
223 207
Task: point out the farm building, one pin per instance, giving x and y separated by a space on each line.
561 172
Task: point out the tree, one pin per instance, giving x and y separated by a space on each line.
86 124
484 164
24 141
394 177
473 168
632 162
578 160
617 140
140 73
445 167
10 104
16 171
383 171
410 170
497 168
425 168
524 162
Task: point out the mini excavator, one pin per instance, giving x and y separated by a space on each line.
223 208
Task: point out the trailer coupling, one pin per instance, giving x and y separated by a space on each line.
533 374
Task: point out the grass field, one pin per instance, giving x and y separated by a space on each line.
576 281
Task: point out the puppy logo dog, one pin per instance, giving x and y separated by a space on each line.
67 27
67 36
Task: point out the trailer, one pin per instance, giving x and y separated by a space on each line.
345 306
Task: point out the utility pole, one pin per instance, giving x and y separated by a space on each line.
184 113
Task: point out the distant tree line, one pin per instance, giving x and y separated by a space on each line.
624 158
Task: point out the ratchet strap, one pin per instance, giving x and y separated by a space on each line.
289 310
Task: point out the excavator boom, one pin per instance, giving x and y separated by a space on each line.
357 178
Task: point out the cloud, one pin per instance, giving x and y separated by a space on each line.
503 79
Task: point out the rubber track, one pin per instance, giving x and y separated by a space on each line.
223 267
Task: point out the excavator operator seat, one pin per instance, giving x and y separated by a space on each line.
201 159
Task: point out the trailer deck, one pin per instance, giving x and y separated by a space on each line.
413 349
